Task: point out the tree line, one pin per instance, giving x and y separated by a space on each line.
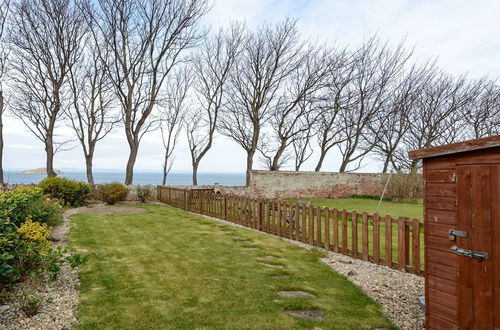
142 66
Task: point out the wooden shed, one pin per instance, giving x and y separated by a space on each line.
462 234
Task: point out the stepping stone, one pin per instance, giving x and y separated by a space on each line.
301 294
306 314
282 277
271 265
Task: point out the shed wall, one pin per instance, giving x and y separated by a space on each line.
440 200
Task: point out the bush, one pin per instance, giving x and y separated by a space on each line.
112 193
26 250
69 192
405 188
29 202
144 192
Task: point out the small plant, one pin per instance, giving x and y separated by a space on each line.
76 259
375 197
113 192
144 192
31 304
69 192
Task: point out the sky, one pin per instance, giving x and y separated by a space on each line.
463 35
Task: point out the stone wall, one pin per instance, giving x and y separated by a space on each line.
290 184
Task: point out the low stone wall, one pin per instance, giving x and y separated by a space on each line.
288 184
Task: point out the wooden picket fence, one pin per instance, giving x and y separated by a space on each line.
397 243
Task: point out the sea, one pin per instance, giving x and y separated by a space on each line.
140 177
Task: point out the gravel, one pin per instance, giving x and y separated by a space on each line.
59 298
397 292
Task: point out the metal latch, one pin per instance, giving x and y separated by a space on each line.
453 233
469 253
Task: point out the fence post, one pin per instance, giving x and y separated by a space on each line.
225 208
416 246
401 244
185 200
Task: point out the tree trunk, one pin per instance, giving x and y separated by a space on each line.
250 155
320 161
49 150
276 159
195 173
90 175
386 164
1 138
129 172
343 166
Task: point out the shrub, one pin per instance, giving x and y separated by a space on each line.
69 192
144 192
31 304
29 202
26 250
113 192
405 188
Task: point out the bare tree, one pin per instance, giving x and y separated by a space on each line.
439 118
172 114
147 40
91 115
46 36
294 112
212 66
483 115
4 53
268 58
391 124
337 97
376 67
302 147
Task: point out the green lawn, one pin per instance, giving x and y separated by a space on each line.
168 269
395 210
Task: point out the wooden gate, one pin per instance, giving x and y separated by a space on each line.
477 246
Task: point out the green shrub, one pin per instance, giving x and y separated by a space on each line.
27 251
405 188
19 204
144 192
112 193
69 192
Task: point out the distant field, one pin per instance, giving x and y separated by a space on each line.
412 211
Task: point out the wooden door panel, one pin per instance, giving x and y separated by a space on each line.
495 236
464 270
478 192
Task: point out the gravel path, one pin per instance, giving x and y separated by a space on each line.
397 292
60 298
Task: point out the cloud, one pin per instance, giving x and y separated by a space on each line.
463 34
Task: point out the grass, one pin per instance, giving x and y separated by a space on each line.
395 210
168 269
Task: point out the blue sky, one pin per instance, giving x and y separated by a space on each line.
464 35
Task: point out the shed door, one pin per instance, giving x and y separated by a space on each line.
478 202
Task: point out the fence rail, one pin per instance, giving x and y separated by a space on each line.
397 243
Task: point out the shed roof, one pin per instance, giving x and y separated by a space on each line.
477 144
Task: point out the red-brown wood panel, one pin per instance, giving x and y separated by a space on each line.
464 281
438 323
441 189
439 242
441 216
443 257
443 285
495 253
442 202
441 175
442 271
